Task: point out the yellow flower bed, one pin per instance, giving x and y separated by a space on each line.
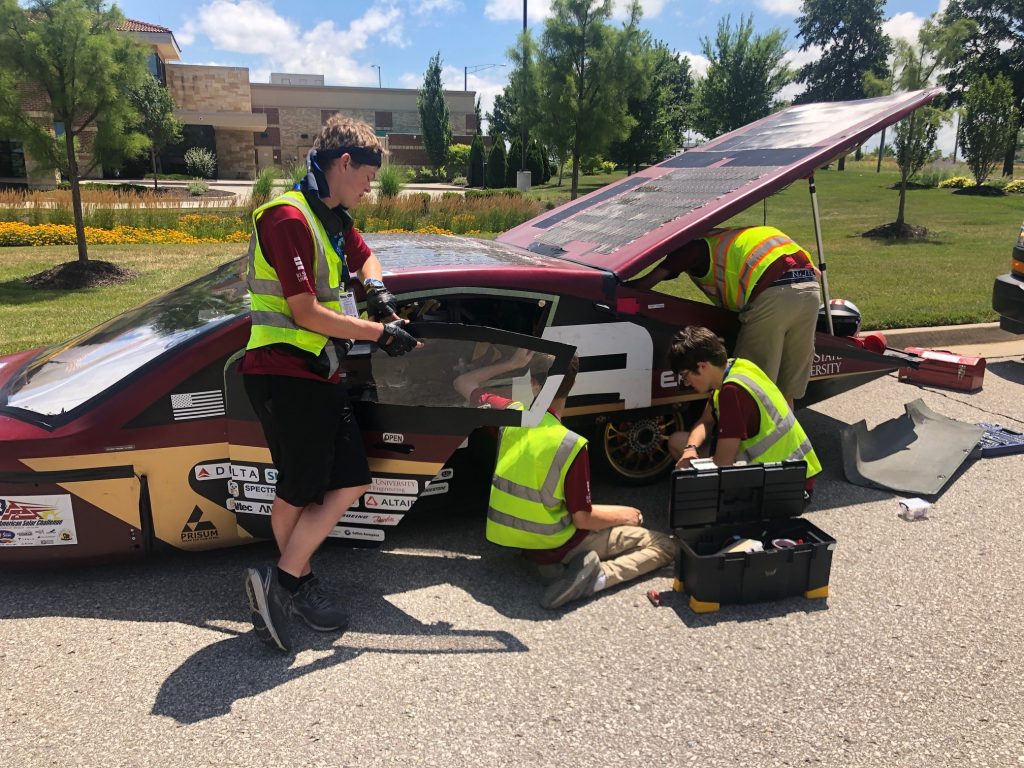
16 233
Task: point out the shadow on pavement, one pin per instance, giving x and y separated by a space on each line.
1011 370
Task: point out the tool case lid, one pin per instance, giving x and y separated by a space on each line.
737 494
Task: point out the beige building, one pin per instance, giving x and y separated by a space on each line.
254 125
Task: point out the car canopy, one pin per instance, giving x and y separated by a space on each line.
626 226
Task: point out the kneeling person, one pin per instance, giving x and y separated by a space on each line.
540 499
746 412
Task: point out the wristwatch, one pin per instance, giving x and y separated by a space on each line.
373 283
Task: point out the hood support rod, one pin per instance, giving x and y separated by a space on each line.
821 254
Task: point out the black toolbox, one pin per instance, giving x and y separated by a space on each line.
711 507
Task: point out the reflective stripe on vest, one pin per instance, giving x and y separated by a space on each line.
738 257
527 502
272 321
780 436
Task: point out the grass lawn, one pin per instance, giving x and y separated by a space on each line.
946 279
32 318
553 193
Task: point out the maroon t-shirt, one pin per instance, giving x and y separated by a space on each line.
576 486
287 244
739 417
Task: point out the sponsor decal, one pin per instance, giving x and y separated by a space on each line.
394 485
374 501
365 534
387 519
233 488
631 383
270 475
394 437
826 365
445 474
197 529
251 507
197 405
218 471
245 472
670 380
435 489
257 491
37 521
371 518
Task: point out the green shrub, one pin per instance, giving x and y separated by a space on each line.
452 196
389 181
262 187
458 159
998 182
297 172
198 188
957 182
590 165
1015 187
460 181
932 177
201 162
607 166
101 218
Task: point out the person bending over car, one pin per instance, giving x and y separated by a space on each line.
770 281
302 254
540 497
746 412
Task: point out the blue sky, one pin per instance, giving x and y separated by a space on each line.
343 40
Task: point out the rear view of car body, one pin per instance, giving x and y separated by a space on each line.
1008 291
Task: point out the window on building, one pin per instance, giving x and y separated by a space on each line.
155 65
12 160
382 119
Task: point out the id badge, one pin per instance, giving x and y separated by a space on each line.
348 304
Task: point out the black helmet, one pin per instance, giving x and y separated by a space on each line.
845 318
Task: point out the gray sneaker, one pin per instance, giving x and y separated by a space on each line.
581 574
316 607
269 604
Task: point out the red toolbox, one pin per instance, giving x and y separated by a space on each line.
945 369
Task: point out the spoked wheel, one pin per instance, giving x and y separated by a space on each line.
636 450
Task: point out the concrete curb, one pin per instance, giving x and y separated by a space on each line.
948 335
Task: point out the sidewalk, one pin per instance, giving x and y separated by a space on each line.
982 339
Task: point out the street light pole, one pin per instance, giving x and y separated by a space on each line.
377 67
522 103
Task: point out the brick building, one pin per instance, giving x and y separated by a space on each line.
254 125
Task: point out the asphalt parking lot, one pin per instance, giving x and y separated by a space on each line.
914 660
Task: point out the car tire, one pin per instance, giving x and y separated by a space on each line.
633 449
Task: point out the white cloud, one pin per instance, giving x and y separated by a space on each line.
425 7
186 34
254 27
651 8
791 91
698 64
795 58
905 25
512 10
780 7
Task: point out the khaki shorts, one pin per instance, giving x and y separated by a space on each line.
777 334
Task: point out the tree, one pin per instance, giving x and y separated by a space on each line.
496 163
849 32
479 116
155 107
501 120
744 77
994 46
650 105
679 81
515 152
989 123
582 60
72 51
476 162
435 120
914 67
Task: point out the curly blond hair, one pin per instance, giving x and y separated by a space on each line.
343 131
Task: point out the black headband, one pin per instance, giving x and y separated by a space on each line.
361 155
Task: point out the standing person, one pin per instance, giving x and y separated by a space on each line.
540 497
302 254
770 281
746 412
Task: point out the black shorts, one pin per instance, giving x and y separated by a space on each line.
313 437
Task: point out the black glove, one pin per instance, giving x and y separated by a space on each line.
395 340
380 304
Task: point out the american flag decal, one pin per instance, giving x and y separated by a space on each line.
197 405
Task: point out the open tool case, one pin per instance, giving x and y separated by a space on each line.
711 508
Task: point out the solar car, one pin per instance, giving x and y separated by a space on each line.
137 436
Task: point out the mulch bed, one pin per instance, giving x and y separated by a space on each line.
892 232
982 191
80 274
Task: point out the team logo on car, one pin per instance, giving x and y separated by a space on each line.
197 529
11 510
